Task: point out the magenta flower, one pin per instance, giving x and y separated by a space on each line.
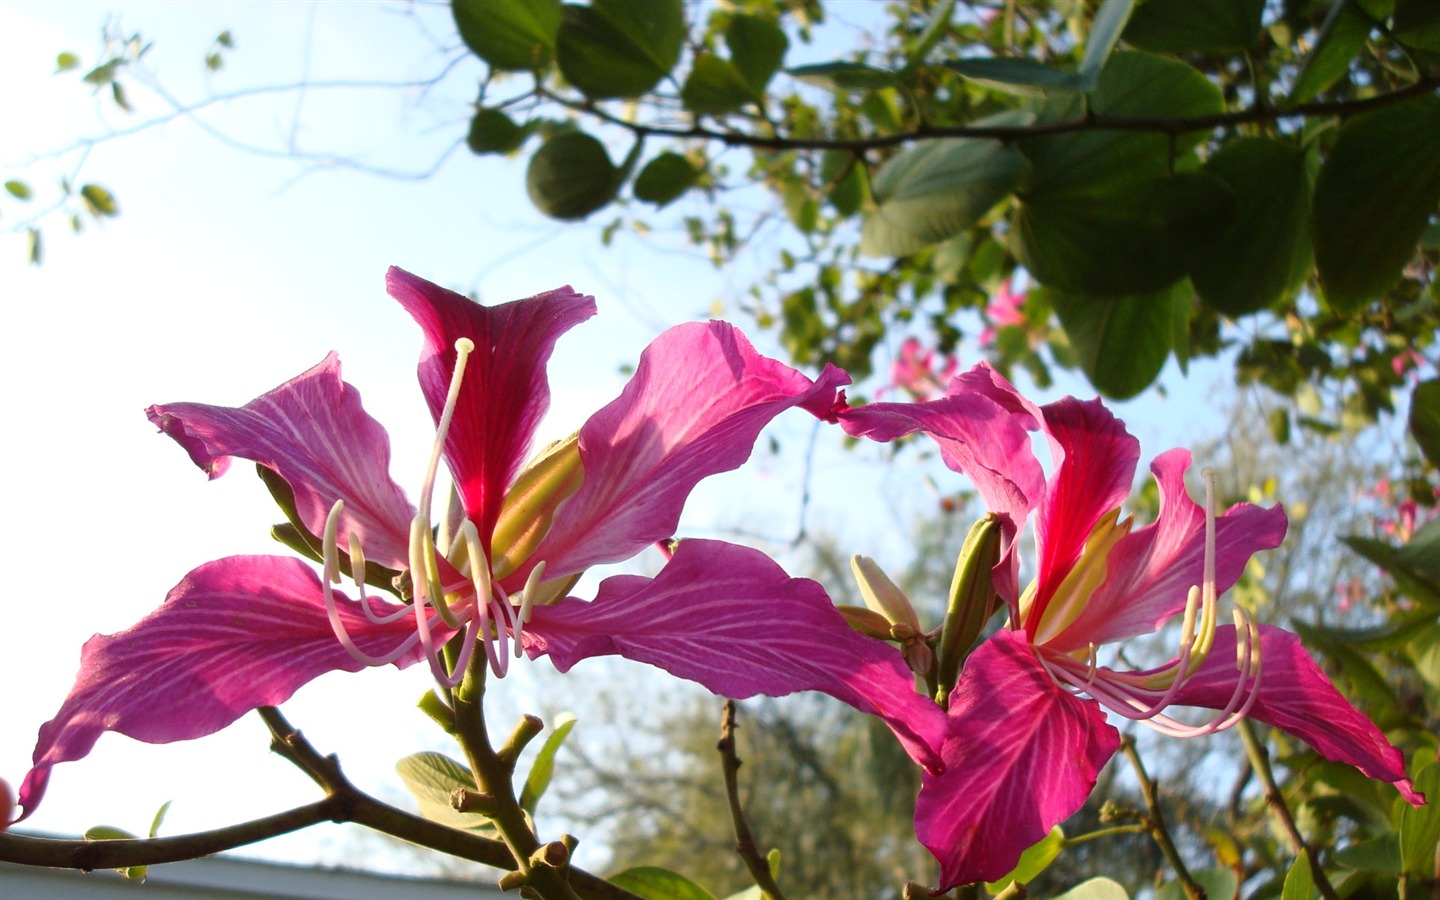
247 631
915 372
1006 310
1029 730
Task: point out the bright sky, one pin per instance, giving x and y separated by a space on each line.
228 273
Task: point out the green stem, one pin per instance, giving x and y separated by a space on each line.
1260 762
1155 823
1105 832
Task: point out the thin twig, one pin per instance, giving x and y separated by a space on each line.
1155 821
1260 762
744 840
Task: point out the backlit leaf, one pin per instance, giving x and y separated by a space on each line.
431 778
1203 26
665 178
1122 342
655 883
757 49
99 201
1264 253
1036 859
543 768
715 86
1341 37
571 176
511 35
1378 187
491 131
936 190
18 189
1096 889
620 48
1105 31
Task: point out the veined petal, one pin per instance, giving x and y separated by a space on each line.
697 402
233 635
504 394
981 427
1094 462
731 619
1150 570
1022 756
313 432
1297 697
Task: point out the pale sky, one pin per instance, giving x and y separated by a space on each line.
228 273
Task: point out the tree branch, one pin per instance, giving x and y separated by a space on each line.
744 840
1260 761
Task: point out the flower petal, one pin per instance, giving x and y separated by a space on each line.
731 619
504 393
314 433
233 635
1150 571
981 426
1094 459
1023 755
698 400
1297 697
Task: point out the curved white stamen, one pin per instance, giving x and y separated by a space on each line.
504 625
527 602
463 348
331 543
357 564
425 574
332 608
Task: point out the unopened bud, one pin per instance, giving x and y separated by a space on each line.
866 621
972 601
881 594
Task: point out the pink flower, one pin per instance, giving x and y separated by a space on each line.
1005 310
247 631
914 371
1029 730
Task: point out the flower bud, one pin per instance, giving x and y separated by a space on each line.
972 601
550 479
881 594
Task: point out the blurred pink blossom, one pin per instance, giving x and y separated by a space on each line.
1004 310
914 371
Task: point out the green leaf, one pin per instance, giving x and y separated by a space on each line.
1096 889
1131 85
935 29
715 86
1265 252
1219 884
1299 881
664 179
1425 419
1122 342
1409 577
571 176
159 819
110 833
757 49
99 201
1417 24
64 62
103 74
35 250
510 35
1421 555
1420 828
845 76
1117 239
1036 859
1195 26
936 190
1377 189
1016 75
1105 30
544 767
431 778
1341 37
491 131
620 48
1381 854
18 189
655 883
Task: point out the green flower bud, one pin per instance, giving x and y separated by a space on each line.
972 601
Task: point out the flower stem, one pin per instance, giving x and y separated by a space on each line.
744 841
545 869
1260 762
1155 823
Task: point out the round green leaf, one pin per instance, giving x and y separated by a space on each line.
1377 189
1217 883
431 778
18 189
512 35
99 201
491 131
655 883
1122 342
936 190
620 48
1131 84
1425 419
757 48
1127 238
715 86
664 179
1265 253
1096 889
571 176
1196 26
